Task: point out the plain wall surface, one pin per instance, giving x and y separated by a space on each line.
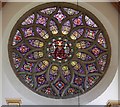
9 91
0 57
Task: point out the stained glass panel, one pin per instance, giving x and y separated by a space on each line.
59 50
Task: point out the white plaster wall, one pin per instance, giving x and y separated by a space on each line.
9 91
111 93
0 57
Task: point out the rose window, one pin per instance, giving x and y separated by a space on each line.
59 50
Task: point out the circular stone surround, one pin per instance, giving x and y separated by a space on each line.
29 50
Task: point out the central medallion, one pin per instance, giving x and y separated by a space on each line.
60 50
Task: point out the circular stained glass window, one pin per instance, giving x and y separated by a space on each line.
59 50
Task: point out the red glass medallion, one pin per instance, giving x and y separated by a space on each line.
59 52
77 21
60 49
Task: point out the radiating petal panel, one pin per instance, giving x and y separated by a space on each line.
28 32
42 33
76 34
29 81
49 10
91 34
71 11
16 59
66 73
42 66
41 20
102 62
83 44
17 38
36 43
101 40
83 56
53 27
53 72
71 91
91 80
92 68
29 20
66 28
76 66
23 49
90 22
77 21
27 67
34 55
48 90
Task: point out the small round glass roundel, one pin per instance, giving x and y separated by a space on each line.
59 50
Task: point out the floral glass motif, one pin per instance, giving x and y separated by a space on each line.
48 10
89 22
71 11
66 28
77 21
41 20
91 33
36 43
101 40
29 20
76 34
28 32
53 27
16 59
59 16
59 50
17 38
43 34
